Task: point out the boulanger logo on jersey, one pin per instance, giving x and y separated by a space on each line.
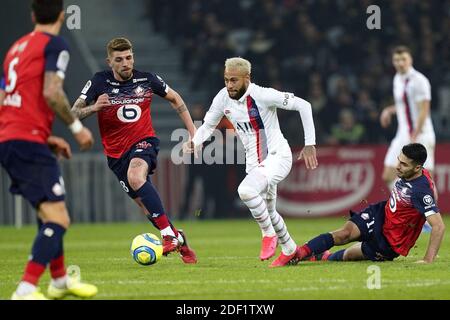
129 113
343 180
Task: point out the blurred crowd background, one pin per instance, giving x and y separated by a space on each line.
318 49
321 50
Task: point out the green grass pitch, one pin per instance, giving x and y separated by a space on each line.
228 266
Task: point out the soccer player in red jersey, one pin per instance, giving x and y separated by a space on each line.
30 94
122 98
390 228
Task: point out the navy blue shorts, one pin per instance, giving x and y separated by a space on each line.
370 223
146 150
34 171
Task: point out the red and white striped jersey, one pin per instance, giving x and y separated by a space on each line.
254 116
410 89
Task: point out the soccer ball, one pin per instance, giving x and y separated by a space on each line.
146 249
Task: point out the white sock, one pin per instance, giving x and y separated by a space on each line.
287 244
250 190
60 283
167 232
180 238
258 208
25 288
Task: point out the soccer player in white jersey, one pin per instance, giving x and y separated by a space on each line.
253 112
412 95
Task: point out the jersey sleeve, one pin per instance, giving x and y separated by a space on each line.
423 90
423 200
211 120
158 85
91 89
57 56
215 112
277 99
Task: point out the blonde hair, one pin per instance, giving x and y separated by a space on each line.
239 63
118 44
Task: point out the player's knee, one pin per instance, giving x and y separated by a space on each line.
136 181
271 205
55 212
246 192
347 256
341 236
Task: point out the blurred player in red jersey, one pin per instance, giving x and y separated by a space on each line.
31 93
122 98
390 228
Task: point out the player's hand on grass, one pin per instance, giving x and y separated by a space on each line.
308 153
84 139
423 262
59 147
102 102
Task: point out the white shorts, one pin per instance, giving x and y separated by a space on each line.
428 140
275 168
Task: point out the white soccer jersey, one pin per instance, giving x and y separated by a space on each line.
255 119
409 90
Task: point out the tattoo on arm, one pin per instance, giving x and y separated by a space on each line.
56 97
181 108
81 110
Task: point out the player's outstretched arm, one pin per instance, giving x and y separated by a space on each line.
289 101
82 110
211 120
437 234
57 100
180 107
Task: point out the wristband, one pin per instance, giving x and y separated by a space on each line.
76 126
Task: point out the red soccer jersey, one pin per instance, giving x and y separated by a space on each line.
25 114
128 119
405 212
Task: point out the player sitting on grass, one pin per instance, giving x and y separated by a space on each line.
388 229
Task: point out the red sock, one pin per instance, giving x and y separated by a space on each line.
33 272
161 222
305 251
57 269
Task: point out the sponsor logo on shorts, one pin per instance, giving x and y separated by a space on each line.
143 145
365 216
58 189
49 232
